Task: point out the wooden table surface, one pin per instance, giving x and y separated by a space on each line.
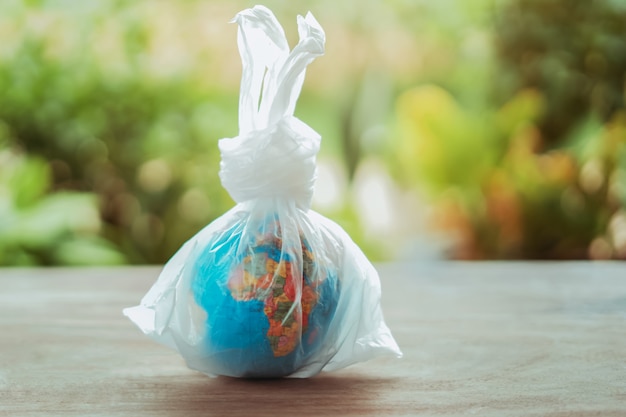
486 339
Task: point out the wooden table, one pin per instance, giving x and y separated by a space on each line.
486 339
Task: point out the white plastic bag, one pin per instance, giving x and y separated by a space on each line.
270 288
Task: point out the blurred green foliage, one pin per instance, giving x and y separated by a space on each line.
134 140
572 51
37 228
508 116
534 165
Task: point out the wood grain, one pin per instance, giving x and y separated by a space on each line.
488 339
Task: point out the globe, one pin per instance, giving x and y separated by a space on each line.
269 304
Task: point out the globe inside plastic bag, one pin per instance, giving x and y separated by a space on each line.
271 288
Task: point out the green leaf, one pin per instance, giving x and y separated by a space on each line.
88 251
57 215
29 181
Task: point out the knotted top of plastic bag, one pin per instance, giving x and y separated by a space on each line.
274 154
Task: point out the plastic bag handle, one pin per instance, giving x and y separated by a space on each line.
272 77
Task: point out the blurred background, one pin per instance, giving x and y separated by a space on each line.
452 129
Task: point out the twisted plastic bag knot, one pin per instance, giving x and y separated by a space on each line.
278 161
